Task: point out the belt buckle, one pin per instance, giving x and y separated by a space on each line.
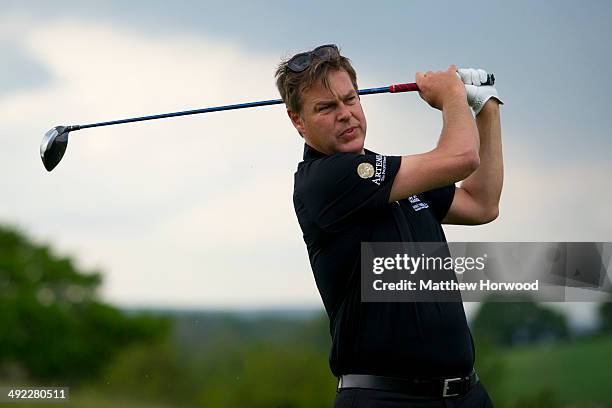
445 389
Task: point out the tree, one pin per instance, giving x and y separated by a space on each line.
605 316
52 326
516 323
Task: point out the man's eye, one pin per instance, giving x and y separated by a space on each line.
351 99
324 107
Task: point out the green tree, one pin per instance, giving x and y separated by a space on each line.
605 316
52 326
515 323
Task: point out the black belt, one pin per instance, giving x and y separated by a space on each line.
417 388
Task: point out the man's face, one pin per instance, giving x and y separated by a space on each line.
332 120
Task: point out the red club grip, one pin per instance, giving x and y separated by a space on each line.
414 87
403 88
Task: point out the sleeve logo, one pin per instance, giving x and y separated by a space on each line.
381 169
365 170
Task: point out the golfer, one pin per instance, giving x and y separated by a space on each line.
390 354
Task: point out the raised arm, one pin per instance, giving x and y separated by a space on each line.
456 155
476 200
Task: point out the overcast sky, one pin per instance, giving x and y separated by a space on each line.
197 211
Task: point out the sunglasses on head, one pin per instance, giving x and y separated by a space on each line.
300 62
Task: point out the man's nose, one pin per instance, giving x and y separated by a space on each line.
343 112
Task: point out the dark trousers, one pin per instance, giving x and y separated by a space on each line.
477 397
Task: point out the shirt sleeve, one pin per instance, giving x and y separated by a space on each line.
339 187
439 200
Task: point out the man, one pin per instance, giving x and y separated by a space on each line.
390 354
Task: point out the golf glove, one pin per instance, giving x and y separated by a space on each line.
477 94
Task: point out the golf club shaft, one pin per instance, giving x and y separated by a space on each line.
387 89
409 87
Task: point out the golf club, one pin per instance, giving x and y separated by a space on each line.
55 141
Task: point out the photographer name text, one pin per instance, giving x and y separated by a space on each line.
451 285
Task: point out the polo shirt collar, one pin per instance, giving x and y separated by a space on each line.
310 153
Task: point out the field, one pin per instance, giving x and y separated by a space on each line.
572 374
228 361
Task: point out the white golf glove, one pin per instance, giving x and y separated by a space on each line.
477 94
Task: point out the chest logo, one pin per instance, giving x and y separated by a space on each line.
417 205
365 170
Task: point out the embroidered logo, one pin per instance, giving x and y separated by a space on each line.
381 169
365 170
417 205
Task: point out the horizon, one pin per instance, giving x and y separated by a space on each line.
197 211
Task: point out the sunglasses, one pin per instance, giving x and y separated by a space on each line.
300 62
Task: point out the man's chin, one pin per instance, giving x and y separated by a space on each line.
354 146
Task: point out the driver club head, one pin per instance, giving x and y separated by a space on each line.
53 146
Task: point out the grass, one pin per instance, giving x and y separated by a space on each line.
576 372
573 374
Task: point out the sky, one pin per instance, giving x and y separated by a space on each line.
197 211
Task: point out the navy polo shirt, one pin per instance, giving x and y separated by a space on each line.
342 200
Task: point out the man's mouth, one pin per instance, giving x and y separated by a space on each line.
349 132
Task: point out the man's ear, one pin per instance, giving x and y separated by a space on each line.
297 121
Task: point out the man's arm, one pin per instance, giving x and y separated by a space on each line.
456 155
476 201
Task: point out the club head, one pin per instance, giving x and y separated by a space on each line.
53 146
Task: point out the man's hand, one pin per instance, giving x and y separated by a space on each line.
439 88
477 94
455 156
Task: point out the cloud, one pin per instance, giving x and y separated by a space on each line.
258 213
197 210
19 70
556 203
178 196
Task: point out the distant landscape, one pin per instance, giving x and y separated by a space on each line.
279 359
55 331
